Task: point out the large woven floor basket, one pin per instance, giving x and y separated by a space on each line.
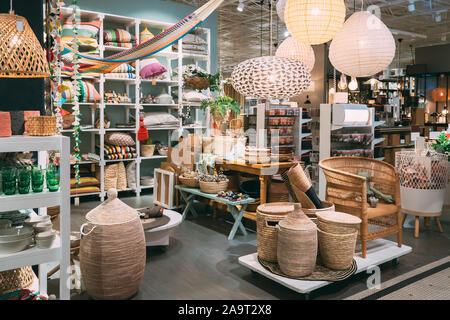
113 251
267 217
337 250
16 279
213 187
41 126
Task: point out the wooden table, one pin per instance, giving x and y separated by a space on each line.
188 194
263 171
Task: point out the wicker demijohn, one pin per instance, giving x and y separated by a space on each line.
112 253
16 279
297 244
213 187
267 217
41 126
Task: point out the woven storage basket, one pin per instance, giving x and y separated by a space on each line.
41 126
297 244
112 253
337 222
147 150
13 280
337 250
311 213
197 83
213 187
189 182
267 217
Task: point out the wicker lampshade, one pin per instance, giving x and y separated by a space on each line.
314 21
21 54
281 6
294 49
271 77
439 95
363 47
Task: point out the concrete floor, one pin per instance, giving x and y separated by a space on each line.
200 263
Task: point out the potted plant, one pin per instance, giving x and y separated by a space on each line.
221 107
147 148
442 144
199 80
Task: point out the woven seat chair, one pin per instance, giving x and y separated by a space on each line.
347 191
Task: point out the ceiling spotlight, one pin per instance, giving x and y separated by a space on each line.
411 6
240 6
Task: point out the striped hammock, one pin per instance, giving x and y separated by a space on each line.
93 64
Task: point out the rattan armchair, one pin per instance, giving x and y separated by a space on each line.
348 191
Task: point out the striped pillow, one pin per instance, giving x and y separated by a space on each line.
123 68
118 35
88 93
87 33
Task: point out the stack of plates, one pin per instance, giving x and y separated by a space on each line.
15 239
257 155
16 217
147 181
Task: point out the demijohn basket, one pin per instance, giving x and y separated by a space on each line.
267 217
112 253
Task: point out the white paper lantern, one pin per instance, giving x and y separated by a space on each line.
314 21
271 77
294 49
363 47
281 6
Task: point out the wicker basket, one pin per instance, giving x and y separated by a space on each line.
267 217
311 213
113 251
337 250
147 150
41 126
197 83
13 280
213 187
189 182
337 222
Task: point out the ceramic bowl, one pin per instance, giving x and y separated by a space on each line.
44 240
43 227
15 239
31 222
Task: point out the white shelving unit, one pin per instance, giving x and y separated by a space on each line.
60 251
134 87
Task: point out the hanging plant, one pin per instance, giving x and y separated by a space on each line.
220 107
199 80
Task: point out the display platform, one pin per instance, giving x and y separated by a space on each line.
160 236
378 252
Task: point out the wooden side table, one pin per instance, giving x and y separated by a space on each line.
427 217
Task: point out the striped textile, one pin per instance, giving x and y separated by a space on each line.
109 150
120 75
128 45
121 156
123 68
150 47
87 32
118 35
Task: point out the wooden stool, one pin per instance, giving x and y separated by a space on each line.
427 217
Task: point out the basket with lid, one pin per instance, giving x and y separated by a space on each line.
337 250
267 217
337 222
297 244
113 251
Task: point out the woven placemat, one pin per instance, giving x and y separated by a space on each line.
152 223
321 273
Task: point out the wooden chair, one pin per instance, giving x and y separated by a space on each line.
348 191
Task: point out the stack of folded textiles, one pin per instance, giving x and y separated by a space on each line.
117 153
193 43
124 71
119 38
87 184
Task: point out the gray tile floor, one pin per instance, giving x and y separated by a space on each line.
200 263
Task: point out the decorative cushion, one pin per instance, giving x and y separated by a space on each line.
27 114
88 93
122 75
87 33
194 39
145 35
84 182
118 35
123 68
5 128
194 96
159 118
121 139
151 68
83 190
17 123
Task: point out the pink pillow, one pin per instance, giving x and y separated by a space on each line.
152 70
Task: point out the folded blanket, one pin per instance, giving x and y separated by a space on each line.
123 68
118 35
128 45
121 156
121 75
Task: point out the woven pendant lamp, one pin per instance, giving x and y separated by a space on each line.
281 6
271 77
314 21
21 54
363 47
294 49
439 95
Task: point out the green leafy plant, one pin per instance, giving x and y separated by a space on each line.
214 79
442 144
148 142
221 104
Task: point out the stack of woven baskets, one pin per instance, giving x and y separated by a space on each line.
337 238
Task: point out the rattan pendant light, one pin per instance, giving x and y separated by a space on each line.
21 54
314 21
363 47
294 49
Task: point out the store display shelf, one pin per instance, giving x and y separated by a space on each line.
31 200
80 103
378 140
161 82
153 157
85 162
85 194
120 129
305 135
93 130
159 105
306 120
306 151
122 80
198 57
30 257
29 143
121 160
161 128
378 123
113 48
120 104
147 187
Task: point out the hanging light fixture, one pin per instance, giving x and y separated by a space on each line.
294 49
342 82
281 6
271 77
21 54
314 21
363 47
438 95
353 85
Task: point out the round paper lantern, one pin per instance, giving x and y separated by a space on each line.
271 77
314 21
439 95
281 6
294 49
363 47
